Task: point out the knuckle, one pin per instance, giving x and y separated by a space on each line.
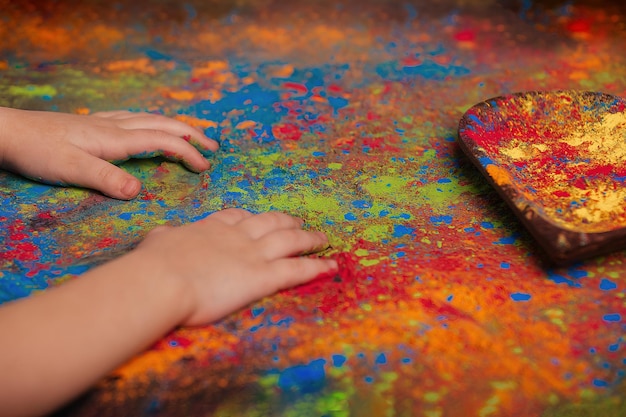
158 230
158 134
67 169
275 217
235 213
107 173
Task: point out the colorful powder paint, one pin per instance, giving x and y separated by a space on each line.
346 116
558 158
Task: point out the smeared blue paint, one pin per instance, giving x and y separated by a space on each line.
361 204
281 322
401 230
433 71
276 181
477 121
257 311
485 161
232 196
253 329
612 318
520 296
337 103
338 360
600 383
560 279
256 104
509 240
428 69
607 285
441 219
125 216
381 359
577 273
304 379
157 55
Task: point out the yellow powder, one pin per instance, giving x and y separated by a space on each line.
606 139
516 153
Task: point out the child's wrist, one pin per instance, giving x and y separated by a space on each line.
4 134
159 277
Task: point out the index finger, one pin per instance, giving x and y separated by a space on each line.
169 125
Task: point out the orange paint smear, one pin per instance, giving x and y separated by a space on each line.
196 122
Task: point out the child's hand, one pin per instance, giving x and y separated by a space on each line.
233 258
69 149
188 275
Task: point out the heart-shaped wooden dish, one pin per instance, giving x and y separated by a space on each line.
559 160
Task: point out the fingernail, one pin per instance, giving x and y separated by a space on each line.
131 188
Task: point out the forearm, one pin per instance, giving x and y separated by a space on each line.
56 344
5 114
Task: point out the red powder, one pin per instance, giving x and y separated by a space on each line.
600 170
107 242
579 26
287 131
411 61
465 36
301 88
372 116
580 183
23 251
334 88
443 309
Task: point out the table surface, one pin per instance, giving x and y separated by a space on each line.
345 114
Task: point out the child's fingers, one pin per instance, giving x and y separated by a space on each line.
290 242
89 171
230 216
141 120
115 114
289 272
172 126
264 223
149 143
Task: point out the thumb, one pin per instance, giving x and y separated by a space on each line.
92 172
